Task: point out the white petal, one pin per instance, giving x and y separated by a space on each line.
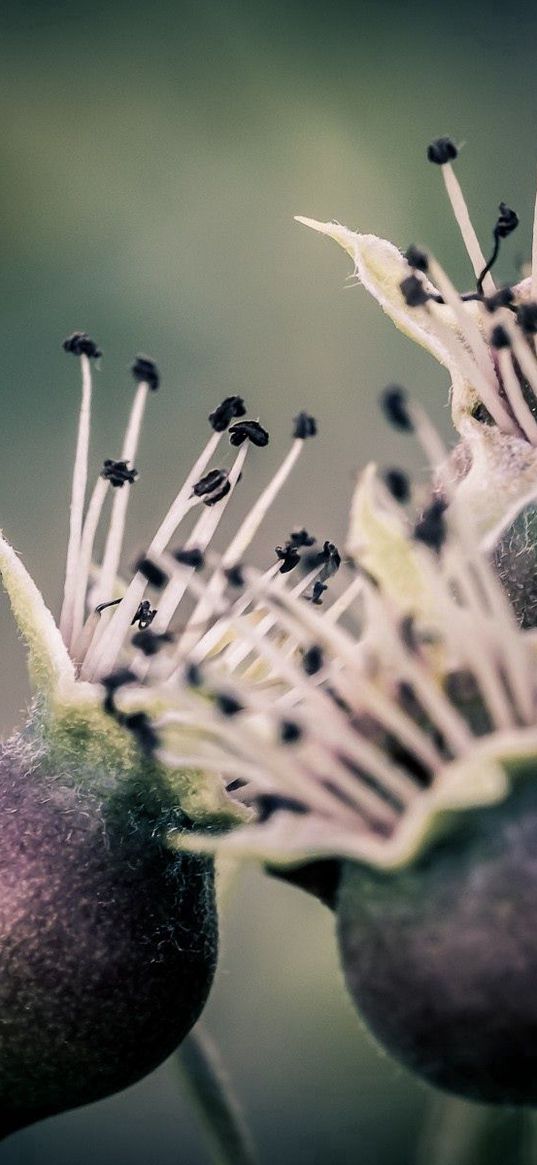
50 667
381 267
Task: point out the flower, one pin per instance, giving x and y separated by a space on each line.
108 934
384 737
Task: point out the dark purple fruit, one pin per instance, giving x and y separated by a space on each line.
441 958
107 937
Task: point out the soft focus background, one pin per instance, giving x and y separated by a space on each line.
153 157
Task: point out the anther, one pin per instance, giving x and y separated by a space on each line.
304 426
407 631
112 683
499 338
190 556
269 803
139 724
398 484
235 575
502 298
155 576
431 529
118 473
149 642
118 679
223 414
416 259
228 705
212 487
290 732
312 660
330 560
248 431
317 593
441 151
193 676
144 615
289 557
527 318
145 370
413 291
300 538
80 344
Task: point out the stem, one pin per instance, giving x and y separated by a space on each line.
458 1133
221 1118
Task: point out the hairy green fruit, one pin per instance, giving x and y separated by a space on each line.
441 957
107 937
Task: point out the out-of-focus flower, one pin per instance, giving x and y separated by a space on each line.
108 935
384 736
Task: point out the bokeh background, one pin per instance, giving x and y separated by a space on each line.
152 159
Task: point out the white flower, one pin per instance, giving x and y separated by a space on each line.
362 728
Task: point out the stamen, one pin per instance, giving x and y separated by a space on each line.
506 224
398 484
247 531
248 431
118 473
511 383
394 404
79 344
201 536
144 615
443 152
114 542
222 416
119 625
533 284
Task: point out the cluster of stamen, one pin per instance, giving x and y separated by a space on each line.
329 711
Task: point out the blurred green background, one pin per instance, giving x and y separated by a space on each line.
153 157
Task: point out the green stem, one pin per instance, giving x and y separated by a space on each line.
222 1120
458 1133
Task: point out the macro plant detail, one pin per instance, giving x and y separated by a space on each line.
361 723
108 934
382 737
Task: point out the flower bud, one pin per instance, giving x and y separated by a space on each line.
440 958
107 938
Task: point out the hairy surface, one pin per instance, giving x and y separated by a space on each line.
441 959
107 939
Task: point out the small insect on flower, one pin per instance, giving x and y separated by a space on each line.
385 741
108 934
